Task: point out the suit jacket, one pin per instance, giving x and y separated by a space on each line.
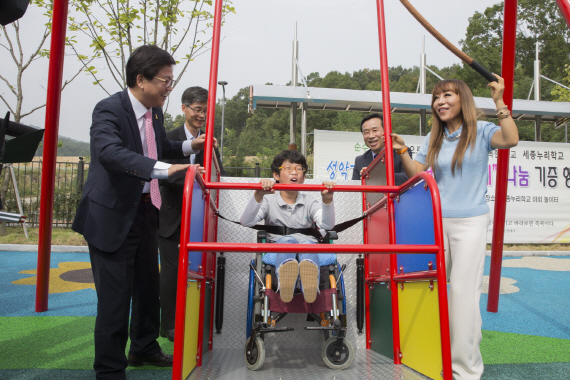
117 172
172 190
365 159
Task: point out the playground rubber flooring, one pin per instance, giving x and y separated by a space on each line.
528 339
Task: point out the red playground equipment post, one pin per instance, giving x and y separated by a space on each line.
57 48
389 170
508 73
564 6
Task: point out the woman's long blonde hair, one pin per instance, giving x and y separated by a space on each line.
469 120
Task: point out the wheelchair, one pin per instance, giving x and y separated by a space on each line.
265 310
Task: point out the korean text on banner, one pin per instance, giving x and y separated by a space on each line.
538 197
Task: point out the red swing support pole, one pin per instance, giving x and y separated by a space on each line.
508 73
564 6
389 161
56 57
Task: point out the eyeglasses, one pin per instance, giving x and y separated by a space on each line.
168 82
298 169
203 113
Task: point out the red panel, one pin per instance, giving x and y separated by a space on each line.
378 233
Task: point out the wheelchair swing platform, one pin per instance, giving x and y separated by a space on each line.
292 363
404 318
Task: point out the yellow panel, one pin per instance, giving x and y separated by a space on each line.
420 340
191 328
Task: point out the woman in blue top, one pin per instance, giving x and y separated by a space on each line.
457 149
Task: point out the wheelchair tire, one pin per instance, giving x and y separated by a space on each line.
257 357
341 361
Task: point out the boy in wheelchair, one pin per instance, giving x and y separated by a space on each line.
295 213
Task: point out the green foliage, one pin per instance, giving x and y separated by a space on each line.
64 207
538 21
108 31
562 94
170 124
68 147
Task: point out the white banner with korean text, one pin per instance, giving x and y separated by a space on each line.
538 198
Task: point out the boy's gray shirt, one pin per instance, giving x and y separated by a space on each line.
304 213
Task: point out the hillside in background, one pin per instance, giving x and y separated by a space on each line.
68 147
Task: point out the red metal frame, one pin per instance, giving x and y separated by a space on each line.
312 248
57 49
427 275
213 86
180 317
508 73
391 248
303 187
564 6
389 161
439 274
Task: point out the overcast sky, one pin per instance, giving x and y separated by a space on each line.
336 35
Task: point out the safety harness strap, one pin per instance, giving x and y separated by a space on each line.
281 230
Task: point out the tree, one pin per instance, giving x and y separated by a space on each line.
170 123
10 40
538 21
562 94
114 28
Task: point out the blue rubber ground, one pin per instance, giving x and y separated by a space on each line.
538 312
541 307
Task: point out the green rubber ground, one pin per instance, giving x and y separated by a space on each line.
52 343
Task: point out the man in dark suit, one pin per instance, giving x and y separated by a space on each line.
373 134
194 107
118 212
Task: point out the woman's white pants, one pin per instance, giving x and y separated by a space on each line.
465 245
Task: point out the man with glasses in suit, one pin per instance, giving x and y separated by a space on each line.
194 107
118 212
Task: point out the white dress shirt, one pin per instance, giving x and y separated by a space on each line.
160 170
191 137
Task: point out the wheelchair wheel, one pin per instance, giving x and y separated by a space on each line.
334 359
254 359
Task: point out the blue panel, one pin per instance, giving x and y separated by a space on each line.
196 227
414 225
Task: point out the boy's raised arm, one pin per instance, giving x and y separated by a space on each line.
328 194
254 212
267 185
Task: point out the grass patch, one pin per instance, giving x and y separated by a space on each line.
53 343
59 236
508 348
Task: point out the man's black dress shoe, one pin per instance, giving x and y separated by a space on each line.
169 334
159 360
